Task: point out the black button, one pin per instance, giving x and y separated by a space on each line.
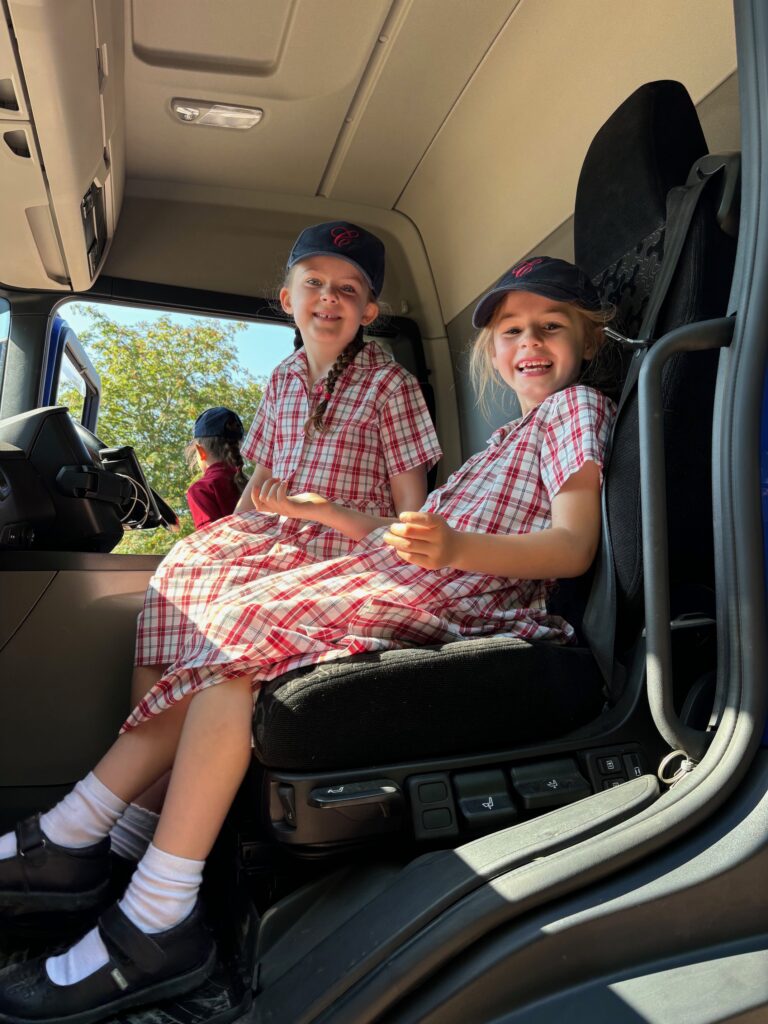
551 784
632 766
495 810
432 792
616 781
609 765
438 817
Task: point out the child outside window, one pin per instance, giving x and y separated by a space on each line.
216 449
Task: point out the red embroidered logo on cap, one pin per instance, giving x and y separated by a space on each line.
343 236
525 268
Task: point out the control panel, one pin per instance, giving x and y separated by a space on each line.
442 806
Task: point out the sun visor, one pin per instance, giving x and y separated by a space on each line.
62 156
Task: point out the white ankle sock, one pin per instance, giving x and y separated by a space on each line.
133 832
163 891
82 818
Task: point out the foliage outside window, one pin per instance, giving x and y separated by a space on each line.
157 376
71 391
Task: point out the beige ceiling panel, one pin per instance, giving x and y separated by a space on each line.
289 49
286 152
251 34
409 99
556 72
304 72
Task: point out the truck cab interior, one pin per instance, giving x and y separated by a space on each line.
493 829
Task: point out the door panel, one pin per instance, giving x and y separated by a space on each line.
65 671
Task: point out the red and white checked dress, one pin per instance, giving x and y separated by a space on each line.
378 426
370 600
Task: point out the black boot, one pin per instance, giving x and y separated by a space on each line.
142 969
42 876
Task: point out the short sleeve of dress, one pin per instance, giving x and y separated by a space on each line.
258 445
408 436
577 430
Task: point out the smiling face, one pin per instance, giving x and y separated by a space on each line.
539 345
328 299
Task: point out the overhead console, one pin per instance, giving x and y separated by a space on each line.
62 150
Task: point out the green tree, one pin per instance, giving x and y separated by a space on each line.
157 376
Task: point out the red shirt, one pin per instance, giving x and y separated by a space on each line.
214 495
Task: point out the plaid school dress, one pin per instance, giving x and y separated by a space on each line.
378 426
370 600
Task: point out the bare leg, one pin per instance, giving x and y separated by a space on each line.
138 758
144 678
207 740
213 754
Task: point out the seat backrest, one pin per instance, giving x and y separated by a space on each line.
647 147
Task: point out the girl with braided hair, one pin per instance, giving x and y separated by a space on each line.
338 417
216 450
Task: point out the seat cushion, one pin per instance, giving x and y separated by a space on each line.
469 697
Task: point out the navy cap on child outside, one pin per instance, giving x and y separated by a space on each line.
347 241
542 275
219 422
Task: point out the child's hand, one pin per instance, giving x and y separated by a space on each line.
424 539
274 498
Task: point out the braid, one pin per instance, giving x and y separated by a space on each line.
234 458
345 357
224 450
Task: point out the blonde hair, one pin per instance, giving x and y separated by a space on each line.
596 372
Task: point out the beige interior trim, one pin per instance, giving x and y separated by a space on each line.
522 126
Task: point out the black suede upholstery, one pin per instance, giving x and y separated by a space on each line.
474 696
478 696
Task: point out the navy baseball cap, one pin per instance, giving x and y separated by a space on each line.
542 275
219 422
347 241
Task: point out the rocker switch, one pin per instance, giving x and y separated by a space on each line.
484 800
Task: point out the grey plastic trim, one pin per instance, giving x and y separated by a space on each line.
430 888
699 337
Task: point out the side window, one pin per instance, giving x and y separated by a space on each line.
70 388
156 372
5 328
71 379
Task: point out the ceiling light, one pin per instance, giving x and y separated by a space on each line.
216 115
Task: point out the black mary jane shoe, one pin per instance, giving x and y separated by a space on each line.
44 877
142 969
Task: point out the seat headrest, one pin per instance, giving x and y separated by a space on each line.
644 149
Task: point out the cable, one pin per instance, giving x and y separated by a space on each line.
135 524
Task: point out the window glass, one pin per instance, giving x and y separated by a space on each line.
70 390
159 371
5 328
